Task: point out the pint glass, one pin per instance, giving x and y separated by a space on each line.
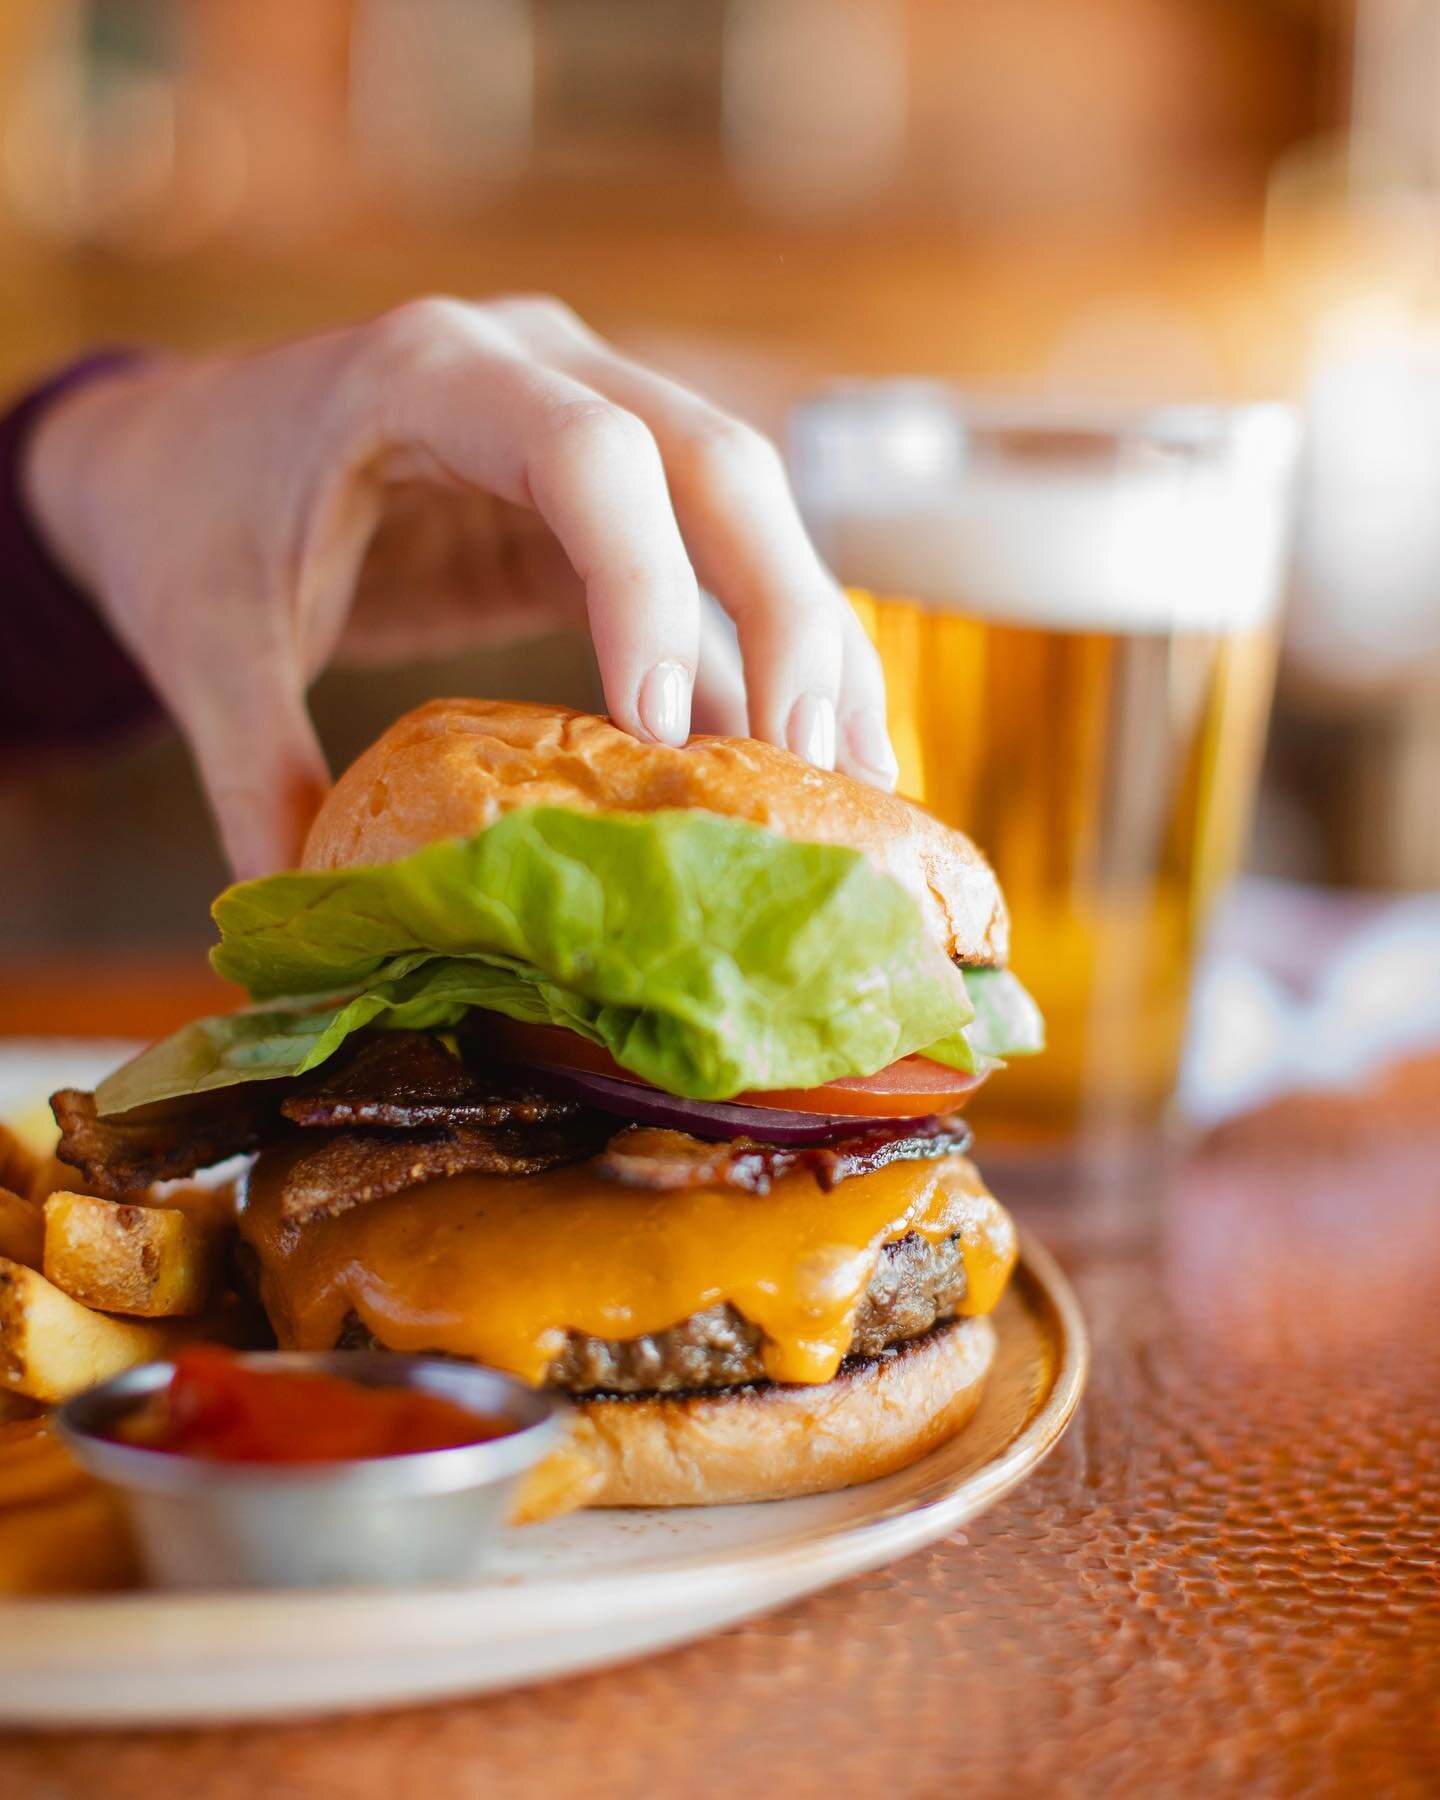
1078 622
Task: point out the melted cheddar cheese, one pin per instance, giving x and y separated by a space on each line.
499 1269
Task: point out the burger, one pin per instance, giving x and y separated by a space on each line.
635 1071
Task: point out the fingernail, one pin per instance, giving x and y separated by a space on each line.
870 749
811 731
664 703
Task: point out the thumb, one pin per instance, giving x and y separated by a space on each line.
260 763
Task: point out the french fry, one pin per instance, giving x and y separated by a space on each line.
18 1163
60 1531
51 1176
74 1544
35 1466
149 1262
52 1347
211 1202
22 1229
561 1482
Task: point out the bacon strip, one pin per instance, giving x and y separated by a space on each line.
927 1140
647 1156
396 1079
350 1168
124 1154
397 1108
644 1156
407 1078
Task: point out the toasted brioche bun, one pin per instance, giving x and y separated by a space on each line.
772 1443
451 767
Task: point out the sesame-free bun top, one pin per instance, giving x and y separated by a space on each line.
451 767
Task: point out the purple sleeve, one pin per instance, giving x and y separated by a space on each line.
64 679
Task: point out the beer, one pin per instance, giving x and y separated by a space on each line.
1108 775
1078 624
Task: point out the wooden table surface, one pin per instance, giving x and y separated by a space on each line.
1226 1581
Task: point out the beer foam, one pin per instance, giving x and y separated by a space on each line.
1160 542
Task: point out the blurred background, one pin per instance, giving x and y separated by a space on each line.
1129 200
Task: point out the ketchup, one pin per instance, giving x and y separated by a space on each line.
227 1410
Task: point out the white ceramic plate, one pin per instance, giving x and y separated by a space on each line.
576 1593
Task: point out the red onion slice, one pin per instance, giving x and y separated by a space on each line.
704 1118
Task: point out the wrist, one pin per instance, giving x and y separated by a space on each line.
65 678
65 452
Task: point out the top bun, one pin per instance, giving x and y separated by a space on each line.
451 767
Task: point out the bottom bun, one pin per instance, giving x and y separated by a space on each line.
769 1443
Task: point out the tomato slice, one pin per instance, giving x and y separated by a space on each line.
912 1088
551 1044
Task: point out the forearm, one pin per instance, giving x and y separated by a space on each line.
64 680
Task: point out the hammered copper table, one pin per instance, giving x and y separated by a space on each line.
1226 1581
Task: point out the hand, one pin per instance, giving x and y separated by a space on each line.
444 474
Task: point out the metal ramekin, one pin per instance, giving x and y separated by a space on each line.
384 1521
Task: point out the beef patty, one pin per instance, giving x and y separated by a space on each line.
916 1285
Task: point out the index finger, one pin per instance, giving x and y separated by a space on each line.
813 681
455 399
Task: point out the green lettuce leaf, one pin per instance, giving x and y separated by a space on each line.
293 1037
708 956
1007 1021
